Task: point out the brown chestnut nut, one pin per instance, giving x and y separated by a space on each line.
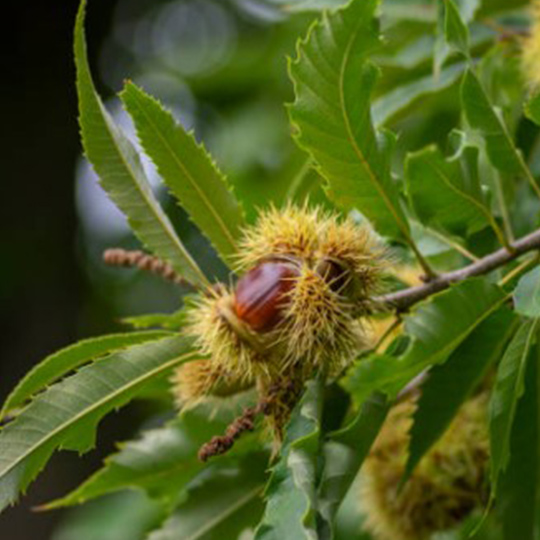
260 294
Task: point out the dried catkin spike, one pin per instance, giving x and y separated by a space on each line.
448 484
143 261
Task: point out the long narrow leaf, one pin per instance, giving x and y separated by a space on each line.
65 415
450 384
60 363
163 460
291 492
509 387
519 489
188 171
437 327
220 506
333 81
345 452
119 169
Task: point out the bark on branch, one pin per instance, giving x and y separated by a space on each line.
403 300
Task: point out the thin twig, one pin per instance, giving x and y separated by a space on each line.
403 300
144 261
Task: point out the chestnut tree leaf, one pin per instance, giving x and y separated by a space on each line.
291 496
436 328
446 193
527 294
118 166
508 389
62 362
164 460
333 81
220 505
187 170
66 414
517 499
450 384
344 452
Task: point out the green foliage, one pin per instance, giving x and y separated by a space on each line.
219 507
509 388
61 363
482 116
446 193
527 294
291 491
187 170
333 81
65 415
433 337
344 453
119 168
455 29
162 462
449 186
519 484
451 383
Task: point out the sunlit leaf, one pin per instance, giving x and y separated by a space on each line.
118 166
402 97
168 321
66 360
333 81
187 170
66 414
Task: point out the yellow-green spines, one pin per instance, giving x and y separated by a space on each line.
531 48
448 484
228 343
199 379
293 231
318 329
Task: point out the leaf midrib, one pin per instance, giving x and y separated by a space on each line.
350 136
156 211
95 406
519 377
83 72
194 184
226 513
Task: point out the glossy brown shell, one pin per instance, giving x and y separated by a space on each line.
260 294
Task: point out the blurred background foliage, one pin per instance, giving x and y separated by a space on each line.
221 66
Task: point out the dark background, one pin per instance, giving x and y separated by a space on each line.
42 284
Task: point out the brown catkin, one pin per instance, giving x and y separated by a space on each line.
143 261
